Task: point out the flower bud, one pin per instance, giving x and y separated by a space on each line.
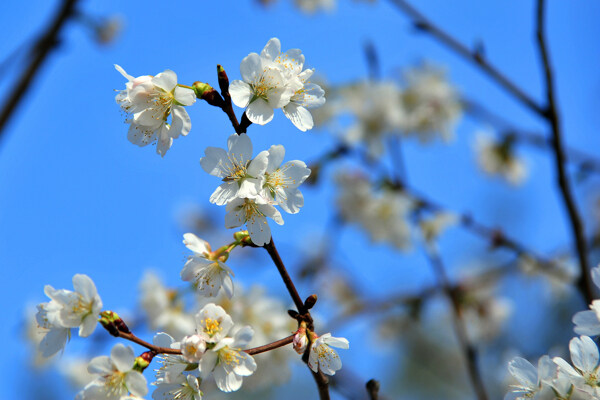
300 340
111 321
207 93
192 348
143 361
223 79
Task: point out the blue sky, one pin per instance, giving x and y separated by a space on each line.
77 197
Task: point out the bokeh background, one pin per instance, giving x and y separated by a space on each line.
77 197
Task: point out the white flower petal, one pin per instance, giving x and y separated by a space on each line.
194 243
181 124
136 383
122 356
271 49
524 372
259 112
241 93
213 160
184 96
276 155
250 67
166 80
584 353
300 116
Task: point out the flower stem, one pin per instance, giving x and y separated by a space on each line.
289 284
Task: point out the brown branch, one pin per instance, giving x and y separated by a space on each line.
320 379
165 350
40 52
552 115
227 106
271 346
469 351
472 56
584 161
157 349
289 284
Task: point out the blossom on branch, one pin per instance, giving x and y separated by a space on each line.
116 376
276 80
236 167
323 357
149 101
207 275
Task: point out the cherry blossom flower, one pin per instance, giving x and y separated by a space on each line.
172 365
498 158
584 373
323 357
164 308
236 168
254 214
184 387
193 347
431 104
116 376
213 323
66 310
281 182
149 101
531 380
263 88
227 362
208 276
306 95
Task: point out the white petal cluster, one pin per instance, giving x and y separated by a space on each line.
431 104
115 376
531 380
66 310
214 350
173 379
148 102
323 357
274 80
383 214
164 309
426 106
252 187
498 158
208 276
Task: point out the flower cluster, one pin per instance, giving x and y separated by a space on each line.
425 107
276 80
67 310
252 187
213 350
383 215
556 377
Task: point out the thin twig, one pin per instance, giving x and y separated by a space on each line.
165 350
373 389
321 380
289 284
474 57
47 42
583 161
552 115
468 349
271 346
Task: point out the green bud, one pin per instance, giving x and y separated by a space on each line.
143 361
207 93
